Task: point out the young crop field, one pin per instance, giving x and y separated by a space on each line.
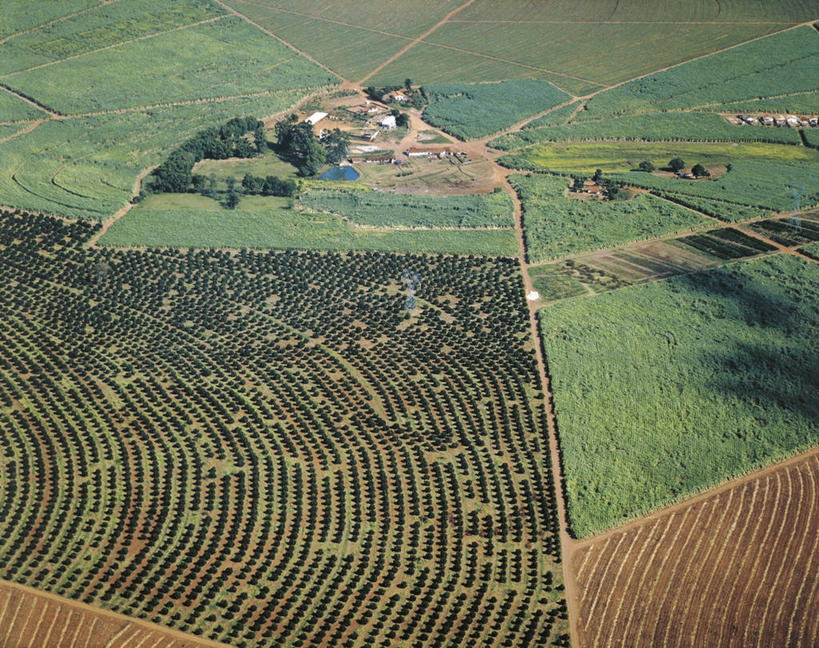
792 231
682 126
270 449
470 111
88 167
597 53
225 58
556 225
102 27
31 618
22 15
781 64
269 223
380 209
733 569
669 387
726 244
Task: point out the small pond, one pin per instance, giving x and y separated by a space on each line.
340 173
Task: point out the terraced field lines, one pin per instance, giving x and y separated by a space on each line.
722 577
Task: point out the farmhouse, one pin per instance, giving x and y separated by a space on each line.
388 122
429 151
397 96
315 118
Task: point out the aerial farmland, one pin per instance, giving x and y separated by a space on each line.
406 324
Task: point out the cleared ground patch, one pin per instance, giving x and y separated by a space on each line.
736 569
666 388
32 618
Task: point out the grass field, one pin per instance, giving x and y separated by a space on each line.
384 209
682 126
471 111
781 64
266 448
268 223
176 66
618 157
667 388
556 225
734 569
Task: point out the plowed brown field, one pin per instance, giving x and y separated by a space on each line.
30 619
739 568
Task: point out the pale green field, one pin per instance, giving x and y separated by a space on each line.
269 223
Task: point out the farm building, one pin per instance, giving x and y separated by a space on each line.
315 118
429 151
397 96
388 122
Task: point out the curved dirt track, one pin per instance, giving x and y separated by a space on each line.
33 619
737 569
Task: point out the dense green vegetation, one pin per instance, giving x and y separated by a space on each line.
470 111
555 117
13 109
682 126
781 64
268 448
259 222
669 387
21 15
87 167
103 26
556 225
225 58
386 209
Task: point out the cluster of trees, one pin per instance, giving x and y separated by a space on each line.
251 185
297 144
676 165
416 98
611 190
232 139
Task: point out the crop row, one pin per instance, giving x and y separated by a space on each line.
267 448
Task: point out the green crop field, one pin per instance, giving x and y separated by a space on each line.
176 66
247 446
101 27
555 117
667 388
380 209
782 64
268 223
754 183
87 167
13 109
470 111
556 225
618 157
682 126
21 15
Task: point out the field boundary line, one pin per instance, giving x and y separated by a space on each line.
511 62
30 102
414 42
28 592
23 131
125 42
124 210
627 22
55 21
703 495
235 12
